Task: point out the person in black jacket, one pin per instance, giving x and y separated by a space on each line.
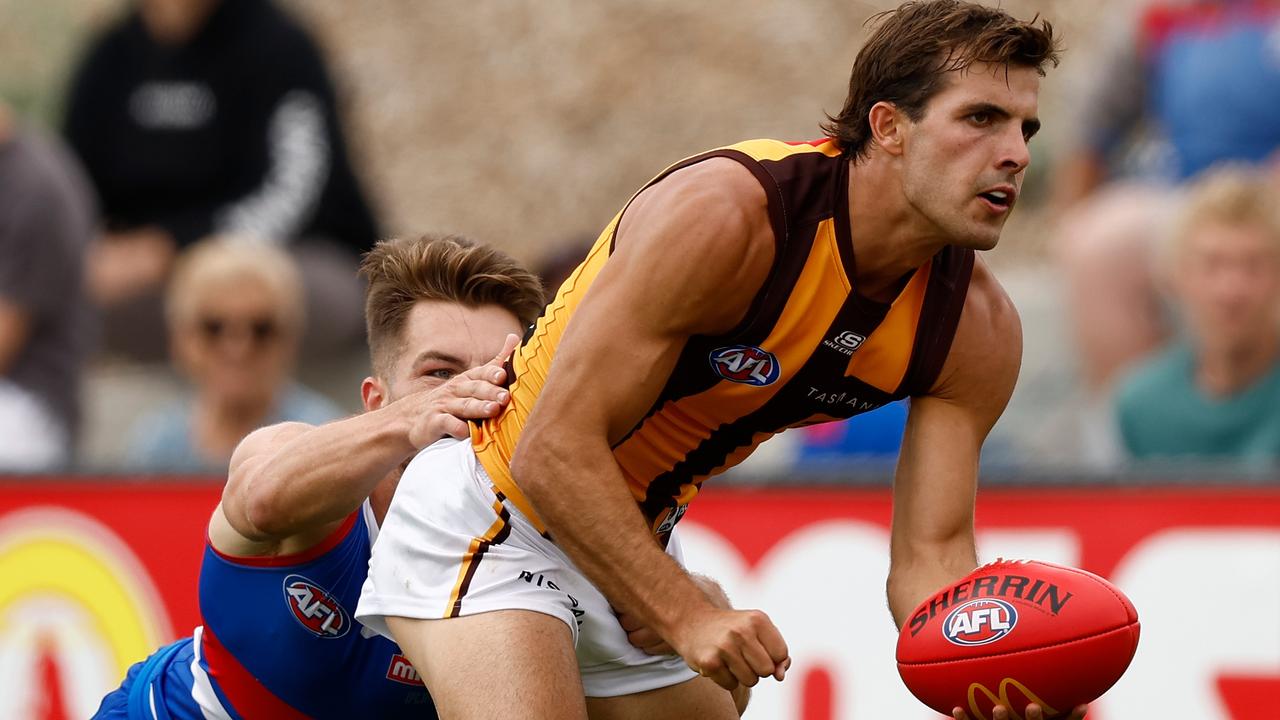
196 117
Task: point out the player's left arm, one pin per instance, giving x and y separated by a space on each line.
935 486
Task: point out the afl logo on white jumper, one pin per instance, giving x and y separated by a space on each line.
745 364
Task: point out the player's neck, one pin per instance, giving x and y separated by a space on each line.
227 417
1226 371
380 498
175 23
890 237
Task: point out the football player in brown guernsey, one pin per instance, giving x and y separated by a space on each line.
743 291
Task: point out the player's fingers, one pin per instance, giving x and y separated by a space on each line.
1034 712
471 408
644 638
719 674
959 714
770 637
740 669
757 658
508 347
492 374
481 390
629 622
1079 712
780 670
453 427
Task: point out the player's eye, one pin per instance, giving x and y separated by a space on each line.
440 373
982 117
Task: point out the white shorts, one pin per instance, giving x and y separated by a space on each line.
449 547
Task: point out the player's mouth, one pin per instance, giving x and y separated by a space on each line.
999 199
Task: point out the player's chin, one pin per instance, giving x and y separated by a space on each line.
978 238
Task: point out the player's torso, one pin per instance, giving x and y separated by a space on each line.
811 349
279 638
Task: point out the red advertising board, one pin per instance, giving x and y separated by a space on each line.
95 574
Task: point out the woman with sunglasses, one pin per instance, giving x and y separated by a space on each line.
234 309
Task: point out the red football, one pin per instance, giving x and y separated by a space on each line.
1018 631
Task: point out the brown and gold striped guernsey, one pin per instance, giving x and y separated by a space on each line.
810 350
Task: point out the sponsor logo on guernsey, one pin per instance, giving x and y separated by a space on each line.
315 609
846 342
980 622
745 364
669 522
401 671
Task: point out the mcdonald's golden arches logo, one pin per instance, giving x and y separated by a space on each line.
1001 697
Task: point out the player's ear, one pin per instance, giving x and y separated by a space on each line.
888 126
373 393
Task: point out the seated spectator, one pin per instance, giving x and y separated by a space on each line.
235 313
200 117
1215 393
46 222
1183 85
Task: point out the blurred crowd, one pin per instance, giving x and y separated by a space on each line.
196 220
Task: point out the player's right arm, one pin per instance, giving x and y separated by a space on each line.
690 255
290 485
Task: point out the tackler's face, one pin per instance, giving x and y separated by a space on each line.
965 159
441 339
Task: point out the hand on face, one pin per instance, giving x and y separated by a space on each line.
475 394
1034 712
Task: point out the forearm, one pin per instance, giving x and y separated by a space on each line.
611 544
915 575
326 472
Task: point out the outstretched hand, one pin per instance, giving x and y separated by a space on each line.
1034 712
475 394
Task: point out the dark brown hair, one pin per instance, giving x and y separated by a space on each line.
905 60
402 271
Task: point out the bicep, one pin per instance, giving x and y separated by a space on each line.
254 450
688 259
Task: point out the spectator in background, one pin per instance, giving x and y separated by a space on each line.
196 117
1188 85
235 312
1216 394
46 222
1195 83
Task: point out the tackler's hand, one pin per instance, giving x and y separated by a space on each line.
476 394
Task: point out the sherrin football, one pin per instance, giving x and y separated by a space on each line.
1014 632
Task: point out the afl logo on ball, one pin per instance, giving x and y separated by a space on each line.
317 610
745 364
980 622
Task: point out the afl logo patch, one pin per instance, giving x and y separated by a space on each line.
318 611
980 622
745 364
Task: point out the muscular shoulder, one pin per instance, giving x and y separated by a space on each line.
701 235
